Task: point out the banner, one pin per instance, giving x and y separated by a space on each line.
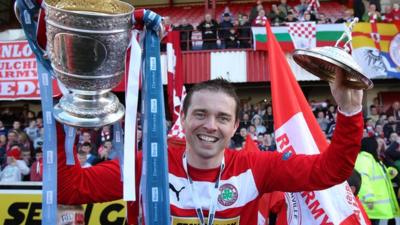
376 48
24 207
326 35
18 72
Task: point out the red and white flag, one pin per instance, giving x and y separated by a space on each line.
294 118
175 73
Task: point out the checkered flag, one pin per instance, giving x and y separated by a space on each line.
177 131
303 35
313 5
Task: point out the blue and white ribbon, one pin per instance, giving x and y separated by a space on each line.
155 189
27 10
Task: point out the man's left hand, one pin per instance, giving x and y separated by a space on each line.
349 100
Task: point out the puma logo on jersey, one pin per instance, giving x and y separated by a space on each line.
176 191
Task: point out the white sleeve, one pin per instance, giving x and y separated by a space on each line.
23 167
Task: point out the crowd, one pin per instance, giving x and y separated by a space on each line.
21 144
234 31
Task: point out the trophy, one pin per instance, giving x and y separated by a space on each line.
86 45
323 61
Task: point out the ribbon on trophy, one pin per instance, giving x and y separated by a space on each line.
154 183
27 10
127 158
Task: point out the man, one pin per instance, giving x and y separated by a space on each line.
210 117
208 29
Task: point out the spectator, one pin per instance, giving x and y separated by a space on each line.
395 12
301 8
241 138
12 139
373 114
394 110
244 32
252 132
185 30
391 127
32 131
3 129
276 16
376 192
224 29
17 126
139 136
269 142
26 155
245 122
284 7
348 16
107 152
290 18
208 29
15 166
38 142
322 19
87 148
37 166
358 8
309 17
269 119
226 13
258 123
39 122
254 11
82 158
3 156
377 4
261 19
322 121
372 15
231 40
23 139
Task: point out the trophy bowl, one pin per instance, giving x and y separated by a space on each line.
322 62
86 44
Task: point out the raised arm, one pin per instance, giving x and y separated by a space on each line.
314 172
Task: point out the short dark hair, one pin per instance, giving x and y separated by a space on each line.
355 181
215 85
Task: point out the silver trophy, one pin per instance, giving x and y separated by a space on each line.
323 61
86 44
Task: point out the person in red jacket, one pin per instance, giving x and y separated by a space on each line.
207 175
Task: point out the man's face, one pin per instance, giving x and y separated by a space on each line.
26 156
11 136
207 17
39 155
16 125
86 137
209 123
86 149
82 159
243 132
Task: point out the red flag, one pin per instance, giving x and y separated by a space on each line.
294 120
175 73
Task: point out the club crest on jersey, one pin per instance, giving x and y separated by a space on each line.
228 195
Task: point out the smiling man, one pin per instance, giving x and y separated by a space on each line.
207 178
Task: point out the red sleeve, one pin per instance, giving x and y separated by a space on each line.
274 172
99 183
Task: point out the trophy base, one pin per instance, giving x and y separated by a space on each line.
323 61
89 111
